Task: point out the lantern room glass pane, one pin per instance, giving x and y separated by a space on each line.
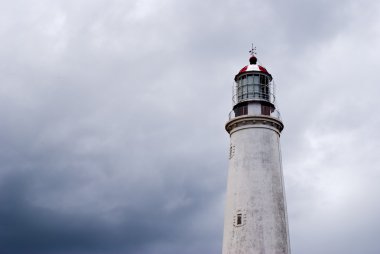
253 86
262 89
250 79
256 79
244 80
239 93
262 79
250 88
246 91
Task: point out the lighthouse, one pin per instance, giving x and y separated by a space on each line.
255 214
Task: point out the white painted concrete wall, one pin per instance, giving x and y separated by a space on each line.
255 189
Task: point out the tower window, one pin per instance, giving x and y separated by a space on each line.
232 151
241 110
265 110
238 219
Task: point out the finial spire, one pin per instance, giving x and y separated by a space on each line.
253 58
253 51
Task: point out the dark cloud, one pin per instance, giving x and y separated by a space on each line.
112 114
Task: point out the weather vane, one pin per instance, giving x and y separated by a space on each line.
253 51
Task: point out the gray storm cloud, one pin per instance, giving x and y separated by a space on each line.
112 122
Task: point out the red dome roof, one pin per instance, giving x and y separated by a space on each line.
253 67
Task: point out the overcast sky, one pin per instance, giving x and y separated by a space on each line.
112 118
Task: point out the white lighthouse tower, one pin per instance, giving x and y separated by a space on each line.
255 215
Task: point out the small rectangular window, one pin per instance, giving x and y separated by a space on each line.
232 151
238 219
265 110
242 110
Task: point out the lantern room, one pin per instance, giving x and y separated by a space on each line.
253 91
